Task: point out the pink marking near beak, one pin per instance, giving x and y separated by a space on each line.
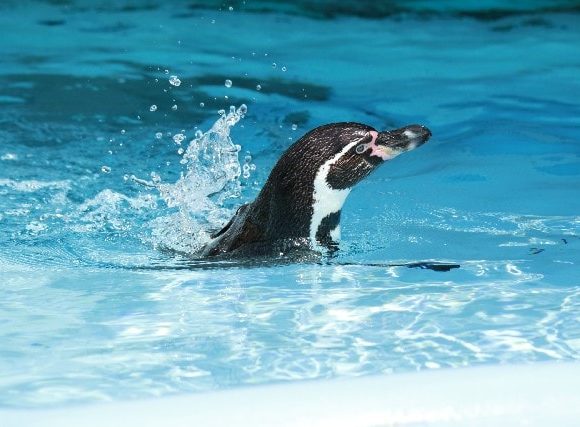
375 149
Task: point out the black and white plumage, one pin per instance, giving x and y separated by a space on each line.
300 204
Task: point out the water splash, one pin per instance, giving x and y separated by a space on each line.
210 180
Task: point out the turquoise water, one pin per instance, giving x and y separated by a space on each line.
92 308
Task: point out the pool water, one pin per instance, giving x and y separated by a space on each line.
94 98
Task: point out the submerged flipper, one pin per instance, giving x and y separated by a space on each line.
424 265
435 266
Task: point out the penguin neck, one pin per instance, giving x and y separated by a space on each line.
327 203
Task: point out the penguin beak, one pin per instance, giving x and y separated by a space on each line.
404 139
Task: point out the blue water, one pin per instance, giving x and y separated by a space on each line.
91 309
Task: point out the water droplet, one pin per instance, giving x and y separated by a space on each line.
221 112
158 135
253 167
174 80
294 126
123 131
274 65
198 134
180 151
243 109
284 68
228 83
258 87
178 137
246 174
230 8
105 169
213 21
201 104
166 71
153 108
126 177
248 158
9 156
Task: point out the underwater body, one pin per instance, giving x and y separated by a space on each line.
119 152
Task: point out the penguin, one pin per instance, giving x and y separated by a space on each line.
299 207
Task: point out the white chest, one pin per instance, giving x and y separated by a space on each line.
326 200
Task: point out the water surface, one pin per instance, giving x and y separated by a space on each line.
88 103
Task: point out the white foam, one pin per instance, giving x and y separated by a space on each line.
335 233
32 185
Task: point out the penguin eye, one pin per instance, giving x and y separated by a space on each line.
361 148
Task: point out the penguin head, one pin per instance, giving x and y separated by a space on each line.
359 149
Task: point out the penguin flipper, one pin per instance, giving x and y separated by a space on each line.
226 227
